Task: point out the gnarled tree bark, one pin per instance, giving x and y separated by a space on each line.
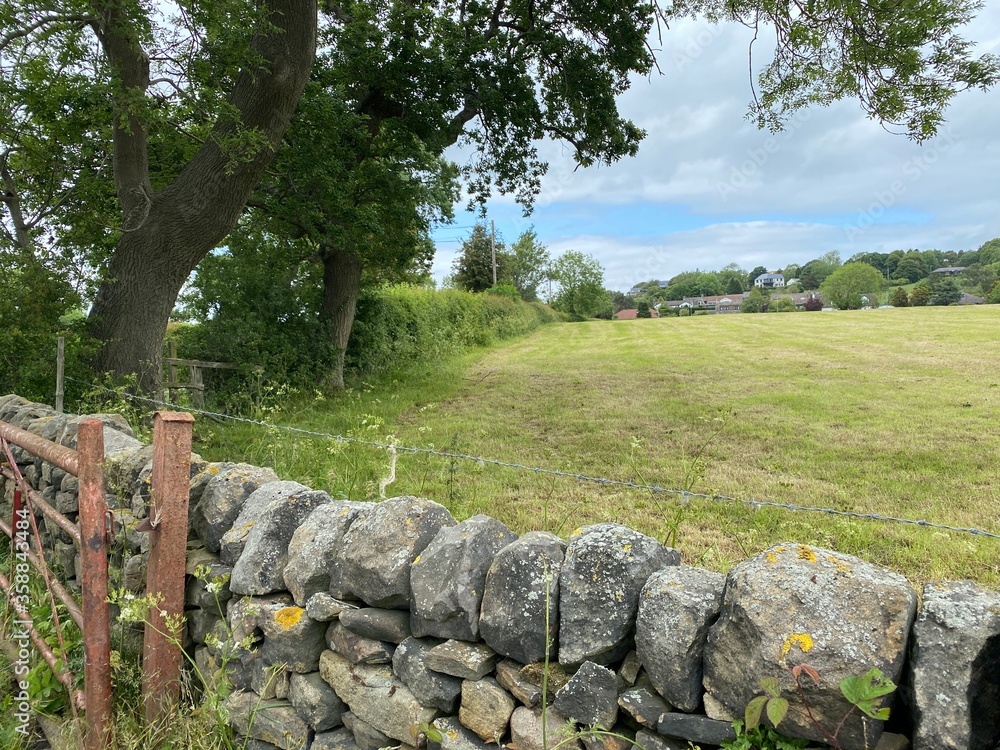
341 284
166 233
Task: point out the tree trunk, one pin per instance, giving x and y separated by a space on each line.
341 284
165 234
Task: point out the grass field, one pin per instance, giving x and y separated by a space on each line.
891 411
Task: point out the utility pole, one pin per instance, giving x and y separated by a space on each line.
493 249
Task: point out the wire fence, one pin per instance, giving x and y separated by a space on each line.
541 471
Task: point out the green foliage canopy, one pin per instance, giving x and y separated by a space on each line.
473 268
847 287
527 265
581 285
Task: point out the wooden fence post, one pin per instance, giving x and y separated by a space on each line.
168 517
60 368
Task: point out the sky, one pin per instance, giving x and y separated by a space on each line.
708 188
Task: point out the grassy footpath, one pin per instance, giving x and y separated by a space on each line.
883 411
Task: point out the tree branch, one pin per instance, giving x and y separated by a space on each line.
13 201
121 44
24 31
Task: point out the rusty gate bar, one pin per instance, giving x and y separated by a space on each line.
62 674
57 588
94 554
58 455
168 517
39 502
91 537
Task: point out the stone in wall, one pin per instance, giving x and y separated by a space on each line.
955 668
292 638
379 549
522 580
590 697
453 736
315 701
323 607
643 705
269 681
526 730
314 545
243 614
449 577
222 499
470 661
485 709
508 674
211 591
339 739
606 565
652 741
367 737
276 723
9 405
676 608
264 554
376 696
392 625
433 689
796 604
356 648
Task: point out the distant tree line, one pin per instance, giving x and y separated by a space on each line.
847 285
573 282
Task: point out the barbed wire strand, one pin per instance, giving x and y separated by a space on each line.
621 483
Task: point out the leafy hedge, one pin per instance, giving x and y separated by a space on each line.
36 307
398 326
395 327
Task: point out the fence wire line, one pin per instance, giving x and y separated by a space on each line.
625 484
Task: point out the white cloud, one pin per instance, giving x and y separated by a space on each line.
707 188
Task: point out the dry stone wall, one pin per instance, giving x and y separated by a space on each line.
356 626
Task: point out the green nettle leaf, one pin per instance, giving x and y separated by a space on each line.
777 709
753 711
771 686
866 690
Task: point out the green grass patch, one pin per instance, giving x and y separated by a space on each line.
882 411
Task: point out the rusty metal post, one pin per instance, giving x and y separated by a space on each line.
96 620
168 517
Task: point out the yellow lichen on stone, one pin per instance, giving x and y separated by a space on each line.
803 640
288 617
771 557
805 553
627 547
213 469
416 559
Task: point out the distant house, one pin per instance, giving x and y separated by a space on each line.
729 304
799 299
970 299
635 291
631 314
949 270
769 281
